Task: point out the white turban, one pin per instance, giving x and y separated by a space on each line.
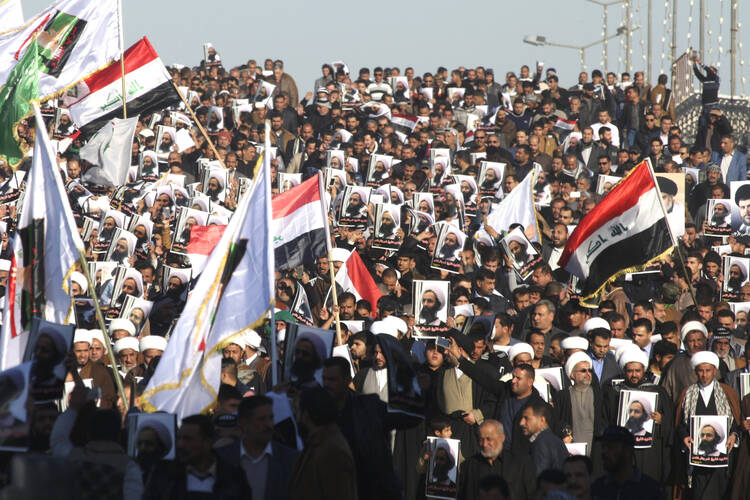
82 335
153 342
127 343
573 360
574 343
122 324
252 340
439 294
399 324
384 327
593 323
633 354
645 403
692 326
79 278
702 357
339 254
97 334
159 428
520 348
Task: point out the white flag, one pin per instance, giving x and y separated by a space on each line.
76 38
233 295
517 208
110 149
45 249
11 15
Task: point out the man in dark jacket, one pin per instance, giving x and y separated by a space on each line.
198 472
266 463
547 450
492 458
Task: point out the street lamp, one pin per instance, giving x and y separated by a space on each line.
541 41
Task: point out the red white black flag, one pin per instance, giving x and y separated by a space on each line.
623 233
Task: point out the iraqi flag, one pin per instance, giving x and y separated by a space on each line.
404 123
354 277
203 239
299 224
98 98
626 231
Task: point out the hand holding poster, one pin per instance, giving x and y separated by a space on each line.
709 434
635 410
442 475
521 252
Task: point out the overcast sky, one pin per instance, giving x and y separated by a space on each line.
425 35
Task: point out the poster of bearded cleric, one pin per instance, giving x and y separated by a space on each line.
522 254
672 188
430 305
740 194
490 177
709 434
354 206
447 253
442 474
387 225
719 217
735 271
634 414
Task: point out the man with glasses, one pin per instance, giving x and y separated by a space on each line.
580 405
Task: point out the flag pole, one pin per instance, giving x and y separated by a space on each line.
269 242
122 60
671 236
103 327
200 127
322 191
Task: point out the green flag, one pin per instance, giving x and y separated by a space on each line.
15 104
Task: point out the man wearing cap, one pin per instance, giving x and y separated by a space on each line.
579 406
87 369
126 352
679 373
254 363
152 346
658 457
707 396
120 328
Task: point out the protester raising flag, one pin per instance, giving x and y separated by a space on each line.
45 250
627 230
75 38
15 105
354 277
299 222
232 296
149 88
109 151
517 207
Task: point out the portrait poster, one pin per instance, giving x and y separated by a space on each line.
735 271
145 428
719 216
709 434
442 473
490 177
522 253
430 304
387 224
634 413
450 244
739 193
353 211
672 188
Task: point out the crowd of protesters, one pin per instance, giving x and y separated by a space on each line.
639 392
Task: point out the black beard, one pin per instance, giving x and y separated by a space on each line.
164 147
119 256
522 257
429 314
467 197
303 370
106 234
353 210
387 230
451 210
488 184
181 202
718 220
707 446
440 471
447 252
213 193
734 283
635 424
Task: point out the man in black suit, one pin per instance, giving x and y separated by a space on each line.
547 449
265 462
603 361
